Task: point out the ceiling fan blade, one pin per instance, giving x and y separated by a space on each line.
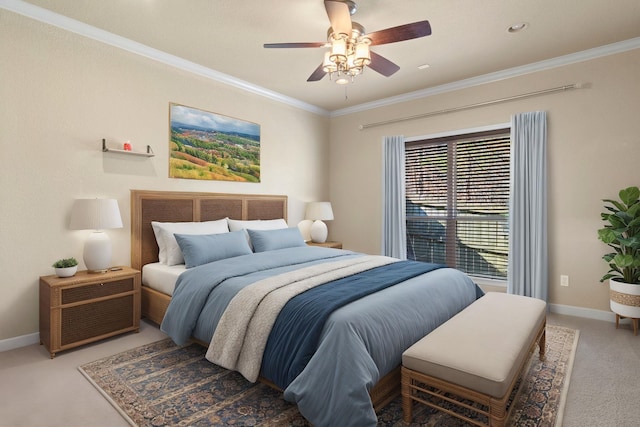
382 65
339 16
318 74
400 33
290 45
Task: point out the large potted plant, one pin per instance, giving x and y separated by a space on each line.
622 233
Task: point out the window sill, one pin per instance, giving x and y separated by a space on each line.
483 281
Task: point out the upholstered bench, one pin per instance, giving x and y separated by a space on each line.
475 356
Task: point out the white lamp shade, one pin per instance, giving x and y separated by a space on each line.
95 214
319 210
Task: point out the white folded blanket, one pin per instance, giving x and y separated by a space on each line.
241 335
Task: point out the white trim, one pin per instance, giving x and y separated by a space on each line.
17 342
74 26
485 281
560 61
43 15
587 313
460 132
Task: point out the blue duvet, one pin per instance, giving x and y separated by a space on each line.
359 343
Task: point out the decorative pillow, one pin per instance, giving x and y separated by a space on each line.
170 253
199 249
269 240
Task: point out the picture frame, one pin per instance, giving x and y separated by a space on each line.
210 146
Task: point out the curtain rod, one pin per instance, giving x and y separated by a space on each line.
479 104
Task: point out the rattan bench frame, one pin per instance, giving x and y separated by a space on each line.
414 382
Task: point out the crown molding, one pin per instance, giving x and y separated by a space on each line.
560 61
48 17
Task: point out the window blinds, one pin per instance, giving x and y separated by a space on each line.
457 191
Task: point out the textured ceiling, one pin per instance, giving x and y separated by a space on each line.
469 39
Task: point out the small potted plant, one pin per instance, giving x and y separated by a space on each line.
622 233
66 267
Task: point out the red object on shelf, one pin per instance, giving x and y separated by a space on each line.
127 146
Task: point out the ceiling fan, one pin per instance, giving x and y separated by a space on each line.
348 44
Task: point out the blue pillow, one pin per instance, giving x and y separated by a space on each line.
198 249
269 240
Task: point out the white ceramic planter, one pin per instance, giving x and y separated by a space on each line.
67 271
624 299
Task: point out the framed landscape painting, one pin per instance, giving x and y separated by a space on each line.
204 145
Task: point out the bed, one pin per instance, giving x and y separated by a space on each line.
354 370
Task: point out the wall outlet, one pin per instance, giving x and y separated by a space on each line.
564 280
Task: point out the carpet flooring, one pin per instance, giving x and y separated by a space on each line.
162 384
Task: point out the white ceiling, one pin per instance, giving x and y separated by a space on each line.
469 38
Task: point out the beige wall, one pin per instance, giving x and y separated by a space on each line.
60 94
593 151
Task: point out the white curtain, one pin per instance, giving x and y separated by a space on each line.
528 270
394 237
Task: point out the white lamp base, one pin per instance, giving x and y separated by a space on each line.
97 252
319 231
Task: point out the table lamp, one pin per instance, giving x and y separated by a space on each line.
318 212
97 215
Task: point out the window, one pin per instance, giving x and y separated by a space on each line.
457 191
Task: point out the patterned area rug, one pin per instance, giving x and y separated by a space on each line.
161 384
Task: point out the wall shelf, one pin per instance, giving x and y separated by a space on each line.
149 152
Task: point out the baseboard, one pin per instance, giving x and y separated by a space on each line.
21 341
569 310
588 313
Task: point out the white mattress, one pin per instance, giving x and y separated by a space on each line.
161 277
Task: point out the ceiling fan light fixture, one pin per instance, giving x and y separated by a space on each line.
348 45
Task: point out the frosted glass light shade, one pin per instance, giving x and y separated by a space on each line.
338 50
97 215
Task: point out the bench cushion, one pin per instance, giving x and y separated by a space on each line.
483 346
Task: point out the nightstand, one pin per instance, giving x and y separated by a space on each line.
335 245
88 307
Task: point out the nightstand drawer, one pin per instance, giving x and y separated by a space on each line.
97 290
86 321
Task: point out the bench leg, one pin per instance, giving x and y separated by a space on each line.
407 402
542 344
497 412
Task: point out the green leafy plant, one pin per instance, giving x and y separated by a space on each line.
622 233
65 263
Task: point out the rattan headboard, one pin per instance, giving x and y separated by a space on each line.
173 206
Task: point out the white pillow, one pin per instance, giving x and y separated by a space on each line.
257 224
170 253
